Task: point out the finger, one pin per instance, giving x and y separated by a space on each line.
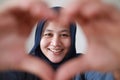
96 9
36 8
91 9
35 66
41 9
69 69
113 13
69 12
81 10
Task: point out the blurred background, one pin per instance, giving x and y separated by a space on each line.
80 37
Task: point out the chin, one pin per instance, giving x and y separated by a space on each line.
55 61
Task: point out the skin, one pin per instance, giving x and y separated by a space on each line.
55 42
101 25
17 18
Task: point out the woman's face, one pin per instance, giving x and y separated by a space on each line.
55 41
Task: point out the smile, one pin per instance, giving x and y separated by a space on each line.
55 51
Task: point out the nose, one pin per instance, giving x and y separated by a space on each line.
55 41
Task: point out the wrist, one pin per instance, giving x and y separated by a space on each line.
117 74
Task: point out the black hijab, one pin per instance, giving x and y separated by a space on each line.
36 51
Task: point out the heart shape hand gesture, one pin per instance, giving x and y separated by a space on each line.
100 23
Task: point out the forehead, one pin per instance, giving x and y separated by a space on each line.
55 26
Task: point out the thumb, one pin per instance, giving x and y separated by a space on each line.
35 66
71 68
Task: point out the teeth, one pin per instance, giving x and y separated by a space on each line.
56 50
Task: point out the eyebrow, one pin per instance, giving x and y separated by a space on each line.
65 31
48 30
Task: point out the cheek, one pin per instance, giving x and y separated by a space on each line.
67 44
43 44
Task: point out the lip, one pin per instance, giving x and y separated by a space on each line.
56 51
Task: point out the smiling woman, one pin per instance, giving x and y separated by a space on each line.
55 41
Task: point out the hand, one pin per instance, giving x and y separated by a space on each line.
101 25
17 18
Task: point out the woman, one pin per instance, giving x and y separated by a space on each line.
55 43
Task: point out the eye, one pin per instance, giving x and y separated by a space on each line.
48 35
65 35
